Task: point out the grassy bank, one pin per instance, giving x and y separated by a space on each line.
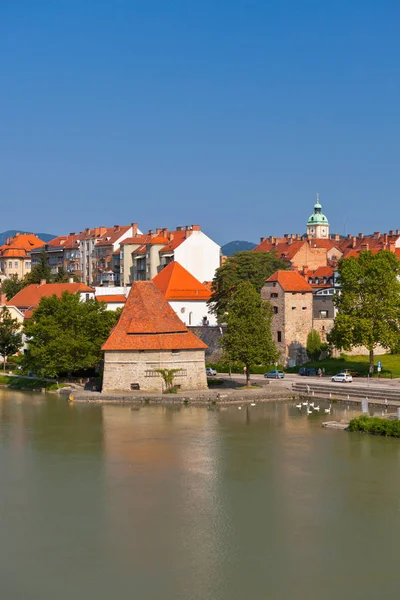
375 426
360 364
22 383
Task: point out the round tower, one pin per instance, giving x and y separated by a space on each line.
317 224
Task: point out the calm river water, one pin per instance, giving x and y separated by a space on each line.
193 504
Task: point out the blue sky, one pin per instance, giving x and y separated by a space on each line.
230 114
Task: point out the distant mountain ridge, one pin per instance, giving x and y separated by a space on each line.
46 237
236 246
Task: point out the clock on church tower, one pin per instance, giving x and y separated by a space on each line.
317 224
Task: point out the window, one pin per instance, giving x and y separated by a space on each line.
304 308
293 308
10 265
279 336
274 284
16 265
323 314
274 295
275 309
27 265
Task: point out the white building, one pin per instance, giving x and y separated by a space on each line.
185 294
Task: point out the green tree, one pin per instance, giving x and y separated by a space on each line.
368 303
168 376
10 335
254 267
314 344
11 286
66 335
41 271
248 337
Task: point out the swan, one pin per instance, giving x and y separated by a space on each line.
305 403
299 406
311 404
328 410
239 408
316 408
253 404
309 411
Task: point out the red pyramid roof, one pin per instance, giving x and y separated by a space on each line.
148 322
290 281
176 283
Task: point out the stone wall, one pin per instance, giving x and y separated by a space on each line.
298 324
210 336
122 369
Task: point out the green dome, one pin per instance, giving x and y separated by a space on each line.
317 218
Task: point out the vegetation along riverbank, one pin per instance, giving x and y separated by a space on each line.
375 426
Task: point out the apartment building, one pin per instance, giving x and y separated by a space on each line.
144 256
15 254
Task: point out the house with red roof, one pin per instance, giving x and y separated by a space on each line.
29 297
15 254
291 297
186 295
149 336
142 257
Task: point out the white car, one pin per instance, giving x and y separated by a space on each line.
210 371
342 378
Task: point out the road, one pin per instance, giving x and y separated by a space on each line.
292 378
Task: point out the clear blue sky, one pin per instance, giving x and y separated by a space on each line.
226 113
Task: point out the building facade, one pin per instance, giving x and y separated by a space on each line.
15 254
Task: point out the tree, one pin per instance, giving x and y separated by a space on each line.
368 303
11 286
41 271
248 337
168 376
314 344
254 267
10 335
66 335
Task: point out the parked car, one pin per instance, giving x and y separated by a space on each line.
342 378
307 371
275 374
210 371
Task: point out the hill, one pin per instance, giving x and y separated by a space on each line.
236 246
46 237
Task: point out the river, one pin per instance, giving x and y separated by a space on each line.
193 504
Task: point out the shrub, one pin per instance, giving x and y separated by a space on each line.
375 426
222 367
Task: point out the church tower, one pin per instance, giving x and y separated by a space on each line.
317 224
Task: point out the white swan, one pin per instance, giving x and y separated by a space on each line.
311 404
305 403
309 411
253 404
316 408
239 408
299 406
328 410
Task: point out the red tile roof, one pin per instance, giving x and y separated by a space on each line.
322 272
176 283
290 281
148 322
118 298
111 235
20 245
31 295
176 240
137 239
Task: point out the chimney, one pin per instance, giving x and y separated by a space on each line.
354 241
150 232
349 236
134 228
361 236
158 230
391 232
16 234
70 280
42 282
262 240
298 236
164 232
196 228
87 230
116 228
289 241
397 231
179 228
377 234
385 238
364 247
272 240
72 233
3 299
8 241
337 236
188 231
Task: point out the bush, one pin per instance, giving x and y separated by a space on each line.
375 426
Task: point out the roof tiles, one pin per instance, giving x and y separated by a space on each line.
290 281
176 283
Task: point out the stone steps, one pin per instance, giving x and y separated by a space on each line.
345 390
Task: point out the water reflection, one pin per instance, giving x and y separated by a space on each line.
189 503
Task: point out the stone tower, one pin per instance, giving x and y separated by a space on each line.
317 224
